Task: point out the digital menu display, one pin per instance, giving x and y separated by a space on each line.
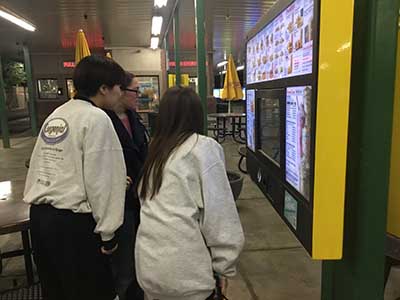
270 127
250 115
298 138
284 48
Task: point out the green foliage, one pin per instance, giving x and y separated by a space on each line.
13 74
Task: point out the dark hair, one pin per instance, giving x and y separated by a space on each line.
128 79
93 71
180 115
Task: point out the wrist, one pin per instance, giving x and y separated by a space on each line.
109 245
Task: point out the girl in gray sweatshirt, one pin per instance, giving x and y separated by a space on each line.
190 230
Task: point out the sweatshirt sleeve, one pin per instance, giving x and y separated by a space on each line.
221 225
105 177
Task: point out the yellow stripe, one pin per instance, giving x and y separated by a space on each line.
332 127
394 191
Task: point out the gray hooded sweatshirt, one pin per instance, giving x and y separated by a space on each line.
191 228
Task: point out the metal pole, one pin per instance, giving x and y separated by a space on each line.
31 91
360 274
3 112
201 56
177 46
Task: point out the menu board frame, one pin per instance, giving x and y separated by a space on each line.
323 215
284 83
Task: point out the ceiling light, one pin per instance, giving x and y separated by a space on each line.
222 63
154 42
14 18
240 68
160 3
156 25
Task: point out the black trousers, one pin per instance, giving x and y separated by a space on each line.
68 257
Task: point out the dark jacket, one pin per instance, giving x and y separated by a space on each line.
135 152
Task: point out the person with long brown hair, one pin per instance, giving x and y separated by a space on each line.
190 233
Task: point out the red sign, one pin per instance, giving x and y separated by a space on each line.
190 63
69 64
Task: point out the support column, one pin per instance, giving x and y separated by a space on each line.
201 56
360 274
31 91
3 112
177 46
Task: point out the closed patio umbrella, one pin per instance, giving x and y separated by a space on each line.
232 88
81 48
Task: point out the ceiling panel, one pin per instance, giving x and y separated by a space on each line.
232 19
117 23
227 23
127 23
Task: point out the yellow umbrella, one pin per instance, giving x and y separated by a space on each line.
232 88
81 48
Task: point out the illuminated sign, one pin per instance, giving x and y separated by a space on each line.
69 64
189 63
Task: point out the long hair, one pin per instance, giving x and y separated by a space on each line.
180 116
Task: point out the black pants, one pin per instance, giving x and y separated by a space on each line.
68 257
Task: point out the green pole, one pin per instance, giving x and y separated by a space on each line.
3 112
177 45
201 56
31 91
360 274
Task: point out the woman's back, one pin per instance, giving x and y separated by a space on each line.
182 223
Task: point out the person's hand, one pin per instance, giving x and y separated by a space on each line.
108 252
223 283
129 182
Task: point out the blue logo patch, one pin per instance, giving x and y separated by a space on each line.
55 131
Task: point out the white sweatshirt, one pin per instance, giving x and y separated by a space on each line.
191 228
77 164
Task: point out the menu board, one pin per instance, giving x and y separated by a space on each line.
298 138
284 48
270 127
250 114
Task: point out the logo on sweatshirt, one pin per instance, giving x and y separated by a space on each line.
55 131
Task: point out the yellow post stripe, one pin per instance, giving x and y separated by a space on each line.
394 189
332 127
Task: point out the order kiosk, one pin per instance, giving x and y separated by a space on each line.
298 63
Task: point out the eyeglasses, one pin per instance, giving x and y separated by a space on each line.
133 91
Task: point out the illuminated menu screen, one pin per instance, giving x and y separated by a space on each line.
284 48
250 114
298 139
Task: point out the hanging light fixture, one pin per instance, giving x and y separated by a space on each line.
156 25
154 42
16 19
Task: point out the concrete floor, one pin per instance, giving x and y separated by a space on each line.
273 265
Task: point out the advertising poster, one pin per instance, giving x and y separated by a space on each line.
250 114
284 48
298 138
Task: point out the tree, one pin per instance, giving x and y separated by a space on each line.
13 74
